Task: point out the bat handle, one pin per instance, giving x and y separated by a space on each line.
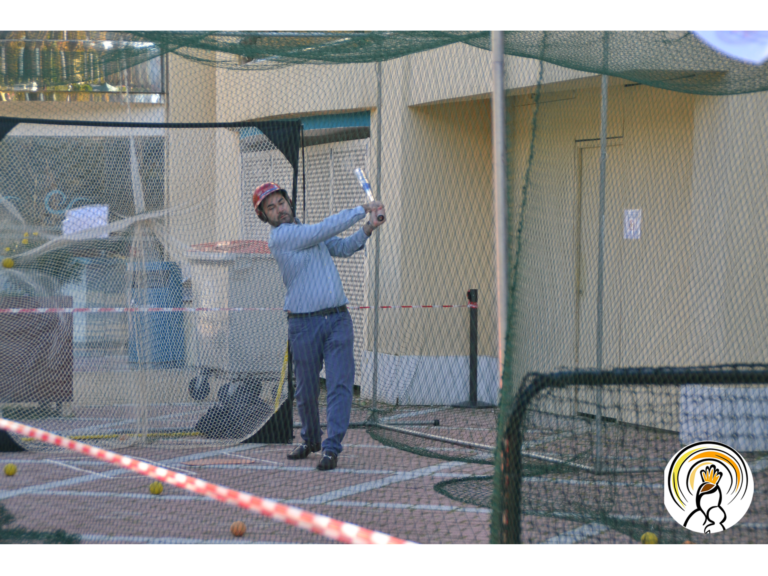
380 218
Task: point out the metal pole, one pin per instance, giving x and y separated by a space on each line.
500 191
140 251
376 249
444 439
600 269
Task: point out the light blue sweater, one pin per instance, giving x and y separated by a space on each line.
303 253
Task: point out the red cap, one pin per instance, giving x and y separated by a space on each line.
263 191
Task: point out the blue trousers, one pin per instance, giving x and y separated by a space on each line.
315 339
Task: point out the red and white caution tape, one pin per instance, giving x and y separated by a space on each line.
134 309
155 309
323 525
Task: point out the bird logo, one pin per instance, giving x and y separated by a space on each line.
708 487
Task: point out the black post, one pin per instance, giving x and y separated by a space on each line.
472 297
472 403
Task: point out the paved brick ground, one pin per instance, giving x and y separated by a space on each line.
375 486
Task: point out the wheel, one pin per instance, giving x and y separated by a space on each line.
199 388
226 391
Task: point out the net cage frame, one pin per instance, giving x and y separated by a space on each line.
273 130
507 506
287 137
281 133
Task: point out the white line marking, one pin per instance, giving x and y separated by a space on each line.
279 468
5 494
335 503
255 459
98 538
78 469
285 448
374 484
543 480
398 506
578 534
457 475
126 421
123 495
663 520
172 469
409 414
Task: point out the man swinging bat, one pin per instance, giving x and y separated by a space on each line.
319 325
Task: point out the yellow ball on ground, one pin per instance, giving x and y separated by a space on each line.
649 538
237 529
10 469
25 241
26 234
7 248
156 488
7 262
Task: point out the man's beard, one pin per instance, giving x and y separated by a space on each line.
280 220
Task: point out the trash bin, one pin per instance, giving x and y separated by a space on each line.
237 274
157 337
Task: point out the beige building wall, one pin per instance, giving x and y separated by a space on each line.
435 181
93 111
689 292
729 267
191 155
294 91
646 308
544 324
438 242
448 248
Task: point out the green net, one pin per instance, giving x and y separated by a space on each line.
585 456
144 308
635 247
665 59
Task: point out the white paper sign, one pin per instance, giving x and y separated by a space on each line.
749 46
85 217
633 219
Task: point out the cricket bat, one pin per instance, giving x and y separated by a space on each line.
365 185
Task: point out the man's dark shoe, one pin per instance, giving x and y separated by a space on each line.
328 462
303 450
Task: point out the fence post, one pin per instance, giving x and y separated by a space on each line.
472 402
